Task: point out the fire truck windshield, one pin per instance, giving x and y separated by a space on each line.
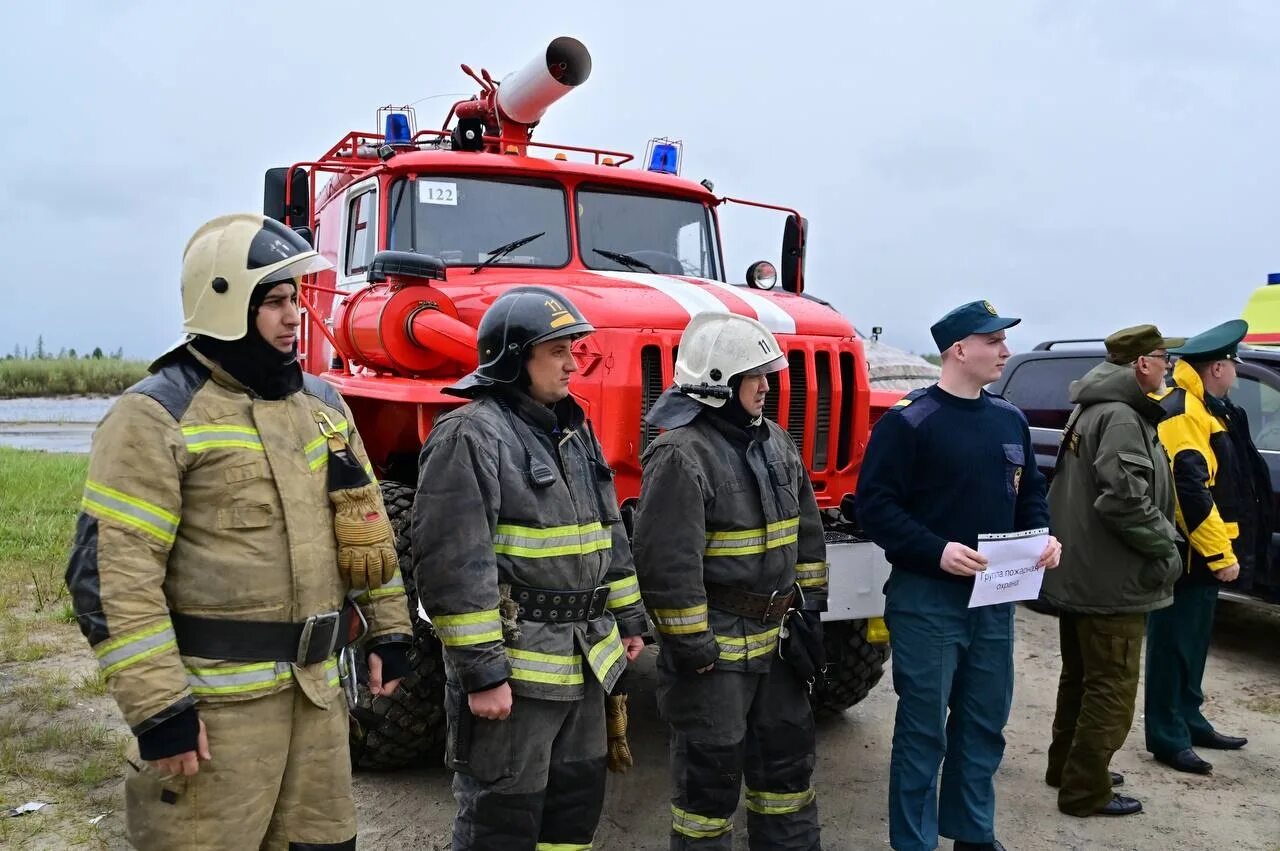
629 232
469 221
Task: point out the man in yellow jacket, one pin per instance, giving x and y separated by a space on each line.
229 529
1223 515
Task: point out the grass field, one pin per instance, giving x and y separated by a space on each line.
60 737
68 377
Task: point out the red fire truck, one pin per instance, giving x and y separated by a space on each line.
426 227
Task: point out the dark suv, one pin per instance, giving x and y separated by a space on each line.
1039 382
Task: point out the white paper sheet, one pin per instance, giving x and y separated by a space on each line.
1011 572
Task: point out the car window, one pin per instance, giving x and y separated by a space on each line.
1261 402
1041 388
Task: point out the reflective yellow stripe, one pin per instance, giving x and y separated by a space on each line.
751 541
240 679
623 592
108 503
605 652
202 438
779 803
682 621
536 542
391 588
469 628
811 574
119 653
551 668
734 649
696 826
561 846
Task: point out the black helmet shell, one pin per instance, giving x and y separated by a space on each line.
518 319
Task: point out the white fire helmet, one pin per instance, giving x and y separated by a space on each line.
716 347
226 259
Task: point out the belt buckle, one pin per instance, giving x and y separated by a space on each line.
599 603
768 609
323 620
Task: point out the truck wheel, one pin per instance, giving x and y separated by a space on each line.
407 728
854 666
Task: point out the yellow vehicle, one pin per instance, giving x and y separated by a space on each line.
1262 312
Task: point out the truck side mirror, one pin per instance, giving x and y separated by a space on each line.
298 211
793 245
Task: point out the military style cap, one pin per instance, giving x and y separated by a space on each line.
1220 341
976 317
1129 344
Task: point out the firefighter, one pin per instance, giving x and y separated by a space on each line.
523 565
728 542
228 516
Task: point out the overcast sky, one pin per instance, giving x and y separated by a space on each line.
1083 164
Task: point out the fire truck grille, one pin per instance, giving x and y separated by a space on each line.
825 444
798 377
650 390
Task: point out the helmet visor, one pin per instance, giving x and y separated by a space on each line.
778 364
306 264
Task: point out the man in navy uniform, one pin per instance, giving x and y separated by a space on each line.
944 465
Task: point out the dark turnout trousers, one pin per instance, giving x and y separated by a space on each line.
535 780
1097 690
1177 648
725 724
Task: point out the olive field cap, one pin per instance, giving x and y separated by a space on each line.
976 317
1129 344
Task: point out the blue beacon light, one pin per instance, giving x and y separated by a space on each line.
664 158
397 129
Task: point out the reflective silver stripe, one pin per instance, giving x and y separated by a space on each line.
535 542
239 679
119 653
205 437
810 574
317 452
681 621
390 588
779 803
748 647
623 592
468 628
751 541
697 826
604 653
550 668
110 504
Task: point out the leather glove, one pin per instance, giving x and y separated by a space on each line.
366 542
616 726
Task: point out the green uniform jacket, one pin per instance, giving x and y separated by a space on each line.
1112 501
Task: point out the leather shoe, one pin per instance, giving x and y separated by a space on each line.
993 845
1117 779
1218 742
1187 760
1119 805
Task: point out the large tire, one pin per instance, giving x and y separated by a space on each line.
407 728
854 666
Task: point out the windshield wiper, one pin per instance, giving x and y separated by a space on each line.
503 250
625 259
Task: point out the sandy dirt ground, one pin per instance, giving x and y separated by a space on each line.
1238 807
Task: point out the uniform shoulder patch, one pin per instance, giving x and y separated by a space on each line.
174 385
322 390
915 407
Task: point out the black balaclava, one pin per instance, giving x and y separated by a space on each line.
732 411
251 360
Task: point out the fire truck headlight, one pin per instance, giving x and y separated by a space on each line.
762 275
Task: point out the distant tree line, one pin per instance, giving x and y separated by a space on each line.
21 352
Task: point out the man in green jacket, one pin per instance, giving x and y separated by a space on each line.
1112 506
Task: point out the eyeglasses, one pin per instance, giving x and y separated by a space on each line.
1164 356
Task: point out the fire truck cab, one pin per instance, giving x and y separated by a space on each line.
426 228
